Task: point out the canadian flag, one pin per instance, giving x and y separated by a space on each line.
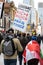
32 50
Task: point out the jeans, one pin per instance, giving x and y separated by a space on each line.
20 58
10 61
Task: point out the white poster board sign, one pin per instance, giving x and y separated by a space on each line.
20 20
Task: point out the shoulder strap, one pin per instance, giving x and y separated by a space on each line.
13 45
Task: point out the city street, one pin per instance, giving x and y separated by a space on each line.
21 29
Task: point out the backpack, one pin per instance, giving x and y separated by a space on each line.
8 47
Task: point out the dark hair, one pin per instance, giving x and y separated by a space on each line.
24 34
11 30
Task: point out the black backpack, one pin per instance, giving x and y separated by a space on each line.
8 47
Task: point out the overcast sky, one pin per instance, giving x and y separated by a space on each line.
35 2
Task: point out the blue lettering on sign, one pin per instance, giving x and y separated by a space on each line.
19 21
18 25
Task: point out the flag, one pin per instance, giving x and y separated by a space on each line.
32 50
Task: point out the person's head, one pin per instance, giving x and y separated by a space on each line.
23 34
10 31
28 34
19 34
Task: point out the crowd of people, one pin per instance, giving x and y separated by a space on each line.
20 41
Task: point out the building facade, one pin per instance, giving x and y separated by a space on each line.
8 15
40 10
29 2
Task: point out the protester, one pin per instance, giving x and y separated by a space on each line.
31 53
12 60
34 37
42 38
39 39
20 57
23 41
28 37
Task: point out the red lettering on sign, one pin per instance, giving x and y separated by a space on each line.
21 14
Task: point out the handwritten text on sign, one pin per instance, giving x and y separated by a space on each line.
21 19
22 15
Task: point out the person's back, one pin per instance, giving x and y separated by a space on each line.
31 53
23 41
18 46
12 60
19 49
28 37
42 38
39 39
